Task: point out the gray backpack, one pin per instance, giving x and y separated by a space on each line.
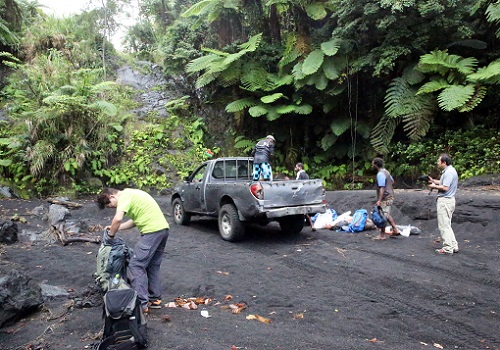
112 262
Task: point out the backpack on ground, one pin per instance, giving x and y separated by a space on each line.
112 260
358 221
124 322
378 217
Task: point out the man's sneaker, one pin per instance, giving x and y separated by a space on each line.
155 304
443 252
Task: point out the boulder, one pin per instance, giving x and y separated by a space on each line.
8 232
19 296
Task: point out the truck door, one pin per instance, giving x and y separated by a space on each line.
195 191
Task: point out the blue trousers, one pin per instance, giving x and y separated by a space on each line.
144 267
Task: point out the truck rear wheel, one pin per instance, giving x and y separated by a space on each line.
292 224
230 227
178 213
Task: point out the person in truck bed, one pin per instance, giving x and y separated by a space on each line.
262 153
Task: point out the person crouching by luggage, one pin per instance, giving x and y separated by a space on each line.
385 196
145 214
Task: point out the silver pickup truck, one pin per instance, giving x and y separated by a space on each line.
224 188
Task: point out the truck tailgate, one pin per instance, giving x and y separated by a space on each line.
292 193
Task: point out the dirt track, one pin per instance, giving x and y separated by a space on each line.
321 290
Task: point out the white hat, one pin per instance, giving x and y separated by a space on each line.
271 137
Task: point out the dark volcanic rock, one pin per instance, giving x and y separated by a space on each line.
19 295
8 232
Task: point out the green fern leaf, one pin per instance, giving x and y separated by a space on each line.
254 78
489 74
103 86
432 86
493 12
417 125
272 114
316 11
257 111
330 69
466 65
196 9
201 63
330 48
240 105
304 109
252 44
455 96
206 79
297 71
215 52
328 141
338 127
271 98
285 109
105 107
382 133
312 62
321 82
475 100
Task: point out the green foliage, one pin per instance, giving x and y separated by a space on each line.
474 152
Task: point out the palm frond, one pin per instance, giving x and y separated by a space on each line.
316 11
331 47
330 68
312 62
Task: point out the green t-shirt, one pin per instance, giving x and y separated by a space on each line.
141 208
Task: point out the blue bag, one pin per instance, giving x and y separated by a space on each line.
358 221
378 217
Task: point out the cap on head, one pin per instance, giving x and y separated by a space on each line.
271 137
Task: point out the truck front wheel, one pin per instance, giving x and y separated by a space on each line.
292 224
178 213
230 227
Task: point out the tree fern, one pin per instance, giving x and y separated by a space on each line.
241 104
303 109
479 93
201 63
340 126
105 107
455 96
271 98
258 111
432 86
382 133
489 74
285 109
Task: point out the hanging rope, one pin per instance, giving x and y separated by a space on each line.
354 119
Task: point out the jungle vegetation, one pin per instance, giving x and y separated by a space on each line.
337 82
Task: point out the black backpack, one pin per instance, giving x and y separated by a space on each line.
124 322
378 217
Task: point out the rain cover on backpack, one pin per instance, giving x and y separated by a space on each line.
125 324
358 221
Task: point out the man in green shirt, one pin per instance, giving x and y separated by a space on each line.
145 214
